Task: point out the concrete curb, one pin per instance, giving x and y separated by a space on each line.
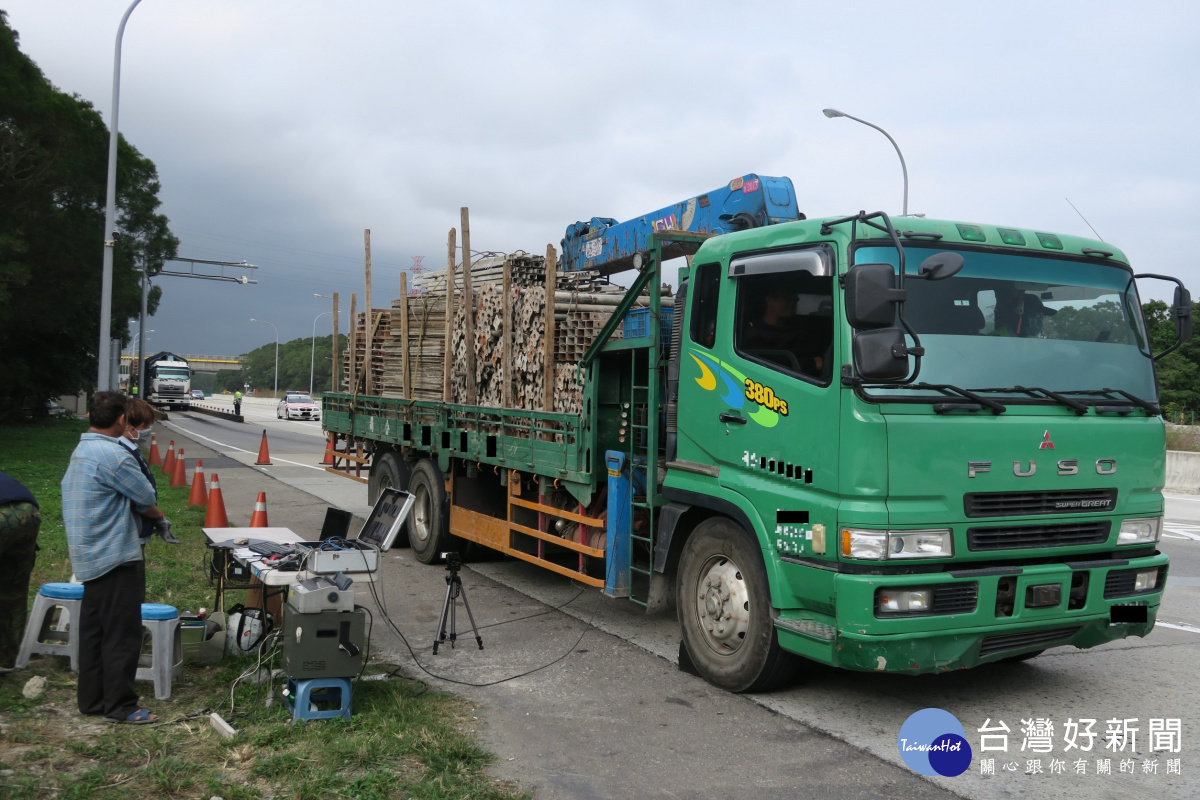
216 412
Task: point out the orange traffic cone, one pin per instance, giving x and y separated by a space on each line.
168 464
264 457
155 458
199 495
259 518
215 516
328 460
179 474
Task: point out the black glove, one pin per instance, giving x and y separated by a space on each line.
163 529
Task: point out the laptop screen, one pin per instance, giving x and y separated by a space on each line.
386 519
337 524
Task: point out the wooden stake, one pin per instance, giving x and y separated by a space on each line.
449 317
336 363
351 371
548 341
405 381
368 345
507 322
468 306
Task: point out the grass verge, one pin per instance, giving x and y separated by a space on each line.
402 741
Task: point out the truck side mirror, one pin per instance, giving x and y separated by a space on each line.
880 355
1182 312
871 296
940 266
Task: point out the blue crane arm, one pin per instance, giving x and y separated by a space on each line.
609 246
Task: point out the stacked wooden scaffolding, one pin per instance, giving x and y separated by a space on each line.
500 350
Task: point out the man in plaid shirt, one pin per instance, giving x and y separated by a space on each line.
106 554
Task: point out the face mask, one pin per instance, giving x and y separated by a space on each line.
132 434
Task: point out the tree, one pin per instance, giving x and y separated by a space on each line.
1178 373
53 171
295 357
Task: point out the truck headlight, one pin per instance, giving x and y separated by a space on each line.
921 544
895 545
1140 531
864 544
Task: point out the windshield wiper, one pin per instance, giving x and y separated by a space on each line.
1150 408
1034 391
986 402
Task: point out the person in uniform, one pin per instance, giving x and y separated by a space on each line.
20 519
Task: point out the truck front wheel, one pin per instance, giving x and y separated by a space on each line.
725 610
428 522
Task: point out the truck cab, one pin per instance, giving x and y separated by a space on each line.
943 443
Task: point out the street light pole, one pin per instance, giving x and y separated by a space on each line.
833 112
312 359
104 353
264 322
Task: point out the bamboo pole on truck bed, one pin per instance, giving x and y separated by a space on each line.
405 382
548 341
449 357
507 361
351 372
368 344
336 363
468 306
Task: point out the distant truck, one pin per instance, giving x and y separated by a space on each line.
168 381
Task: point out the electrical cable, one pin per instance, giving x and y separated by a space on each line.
370 630
383 611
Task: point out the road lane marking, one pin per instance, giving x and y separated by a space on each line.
1182 530
1177 497
185 431
1177 626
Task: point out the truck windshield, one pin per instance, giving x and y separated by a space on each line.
168 374
1011 320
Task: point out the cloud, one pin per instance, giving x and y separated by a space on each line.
282 129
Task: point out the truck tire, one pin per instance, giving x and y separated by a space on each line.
429 521
388 471
724 609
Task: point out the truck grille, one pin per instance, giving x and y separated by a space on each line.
955 598
1014 641
1014 537
1016 504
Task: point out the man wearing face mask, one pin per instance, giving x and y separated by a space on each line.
139 416
101 482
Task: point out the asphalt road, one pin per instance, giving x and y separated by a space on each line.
1138 680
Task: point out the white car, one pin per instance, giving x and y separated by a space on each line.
298 406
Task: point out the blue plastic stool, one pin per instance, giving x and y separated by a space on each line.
166 648
303 694
39 638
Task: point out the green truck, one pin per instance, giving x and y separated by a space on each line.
908 445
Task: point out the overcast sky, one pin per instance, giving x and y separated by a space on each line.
282 128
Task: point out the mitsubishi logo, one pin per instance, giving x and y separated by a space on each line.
1046 443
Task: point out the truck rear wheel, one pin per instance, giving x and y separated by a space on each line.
429 521
388 471
724 610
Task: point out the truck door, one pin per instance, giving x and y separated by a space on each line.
764 391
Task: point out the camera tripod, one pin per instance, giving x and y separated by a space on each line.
454 589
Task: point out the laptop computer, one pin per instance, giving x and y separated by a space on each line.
339 552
